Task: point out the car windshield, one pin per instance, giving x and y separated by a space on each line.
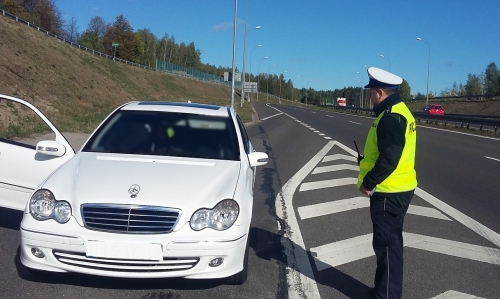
166 134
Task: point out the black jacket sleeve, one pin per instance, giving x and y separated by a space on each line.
391 141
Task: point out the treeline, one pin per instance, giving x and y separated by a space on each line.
143 47
487 83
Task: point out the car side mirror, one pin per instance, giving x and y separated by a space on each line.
50 148
258 159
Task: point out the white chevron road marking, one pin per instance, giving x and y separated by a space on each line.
350 250
339 157
427 212
328 184
266 118
338 167
332 207
455 295
342 205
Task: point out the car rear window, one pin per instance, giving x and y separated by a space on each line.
166 134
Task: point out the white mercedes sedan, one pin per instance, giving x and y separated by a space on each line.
159 189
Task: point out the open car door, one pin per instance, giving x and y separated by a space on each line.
26 162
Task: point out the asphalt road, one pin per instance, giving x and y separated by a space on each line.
451 239
310 228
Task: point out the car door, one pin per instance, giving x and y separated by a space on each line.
26 162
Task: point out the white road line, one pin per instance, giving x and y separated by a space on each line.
359 202
328 184
492 158
300 277
328 138
323 169
353 122
266 118
426 212
455 295
342 252
459 249
350 250
339 157
475 226
333 207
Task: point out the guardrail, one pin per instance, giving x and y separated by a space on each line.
463 121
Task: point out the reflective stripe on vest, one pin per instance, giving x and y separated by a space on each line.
404 177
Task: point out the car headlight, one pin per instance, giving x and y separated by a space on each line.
43 206
221 217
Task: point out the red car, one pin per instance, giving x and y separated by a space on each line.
434 109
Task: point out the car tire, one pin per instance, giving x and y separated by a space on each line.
240 277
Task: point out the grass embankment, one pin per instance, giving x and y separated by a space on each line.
76 89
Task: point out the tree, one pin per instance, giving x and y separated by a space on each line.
405 91
147 44
71 31
473 86
94 34
122 33
491 79
192 56
42 13
420 97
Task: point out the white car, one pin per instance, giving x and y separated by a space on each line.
159 189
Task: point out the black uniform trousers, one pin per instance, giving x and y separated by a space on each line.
387 214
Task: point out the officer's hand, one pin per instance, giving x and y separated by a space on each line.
363 190
360 157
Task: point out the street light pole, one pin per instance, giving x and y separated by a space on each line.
428 67
244 60
250 74
267 93
258 77
234 50
389 61
251 52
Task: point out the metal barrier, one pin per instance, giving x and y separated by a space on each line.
479 122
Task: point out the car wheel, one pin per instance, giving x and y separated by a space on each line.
240 277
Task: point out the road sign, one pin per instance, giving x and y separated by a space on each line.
250 87
114 44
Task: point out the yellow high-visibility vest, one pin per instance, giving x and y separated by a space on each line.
404 177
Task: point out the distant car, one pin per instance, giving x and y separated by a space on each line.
159 189
434 109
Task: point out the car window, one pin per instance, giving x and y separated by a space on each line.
166 134
20 125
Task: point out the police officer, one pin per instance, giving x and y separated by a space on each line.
387 174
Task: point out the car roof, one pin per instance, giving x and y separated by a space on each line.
179 107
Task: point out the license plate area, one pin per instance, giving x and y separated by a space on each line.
126 251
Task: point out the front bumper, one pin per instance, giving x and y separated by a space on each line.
186 253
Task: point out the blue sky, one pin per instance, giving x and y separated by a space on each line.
323 44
